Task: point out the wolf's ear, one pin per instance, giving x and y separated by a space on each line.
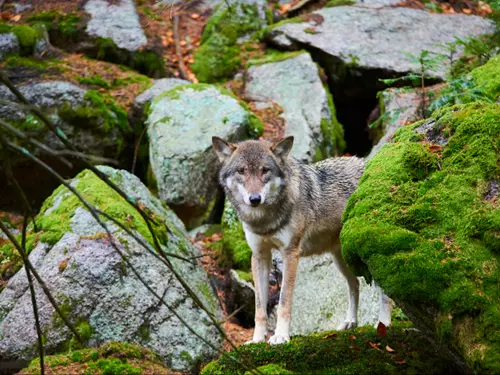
282 148
222 148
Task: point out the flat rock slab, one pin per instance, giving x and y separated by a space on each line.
181 124
375 38
295 85
119 22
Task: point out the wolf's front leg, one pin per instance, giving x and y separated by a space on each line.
290 264
261 266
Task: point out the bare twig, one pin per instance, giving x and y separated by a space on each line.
178 49
33 298
136 150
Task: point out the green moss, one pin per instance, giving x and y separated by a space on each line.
236 252
95 80
419 224
336 3
219 54
204 289
264 33
487 77
245 276
27 37
354 352
145 62
99 112
113 358
272 56
332 132
19 61
64 27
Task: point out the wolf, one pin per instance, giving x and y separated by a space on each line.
293 207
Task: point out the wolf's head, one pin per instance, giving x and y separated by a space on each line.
253 172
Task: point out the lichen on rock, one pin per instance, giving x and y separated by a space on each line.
420 225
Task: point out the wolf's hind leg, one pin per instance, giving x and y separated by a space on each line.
384 315
353 286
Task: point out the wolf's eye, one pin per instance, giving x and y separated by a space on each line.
265 170
241 170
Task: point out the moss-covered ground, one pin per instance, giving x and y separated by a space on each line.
354 352
424 224
219 54
114 358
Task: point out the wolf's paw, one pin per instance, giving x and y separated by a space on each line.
254 341
279 339
347 325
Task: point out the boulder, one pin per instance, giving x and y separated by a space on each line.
369 38
181 123
218 57
424 223
97 289
293 82
119 22
142 101
8 44
242 297
93 122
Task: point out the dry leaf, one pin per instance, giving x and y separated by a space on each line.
352 338
355 347
183 43
374 345
330 336
284 8
16 18
195 16
400 361
381 329
389 349
467 11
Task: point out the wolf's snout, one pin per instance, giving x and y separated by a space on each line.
255 199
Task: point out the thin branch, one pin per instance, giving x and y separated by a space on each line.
40 281
33 299
178 49
136 149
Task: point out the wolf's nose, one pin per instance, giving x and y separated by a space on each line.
254 199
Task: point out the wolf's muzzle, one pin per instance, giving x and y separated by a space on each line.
255 199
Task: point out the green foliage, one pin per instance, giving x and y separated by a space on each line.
419 223
219 54
354 352
66 27
19 61
95 80
482 83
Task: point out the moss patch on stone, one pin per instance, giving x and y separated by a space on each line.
219 54
487 77
272 56
236 251
27 37
354 352
332 131
114 358
421 224
54 219
62 27
336 3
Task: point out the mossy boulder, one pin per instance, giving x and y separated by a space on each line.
181 123
92 120
113 358
424 223
353 352
95 286
293 82
487 78
21 40
219 54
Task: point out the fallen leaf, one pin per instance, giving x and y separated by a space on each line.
195 16
16 18
183 43
435 148
355 347
284 8
467 11
389 349
330 336
400 361
374 345
381 329
352 338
